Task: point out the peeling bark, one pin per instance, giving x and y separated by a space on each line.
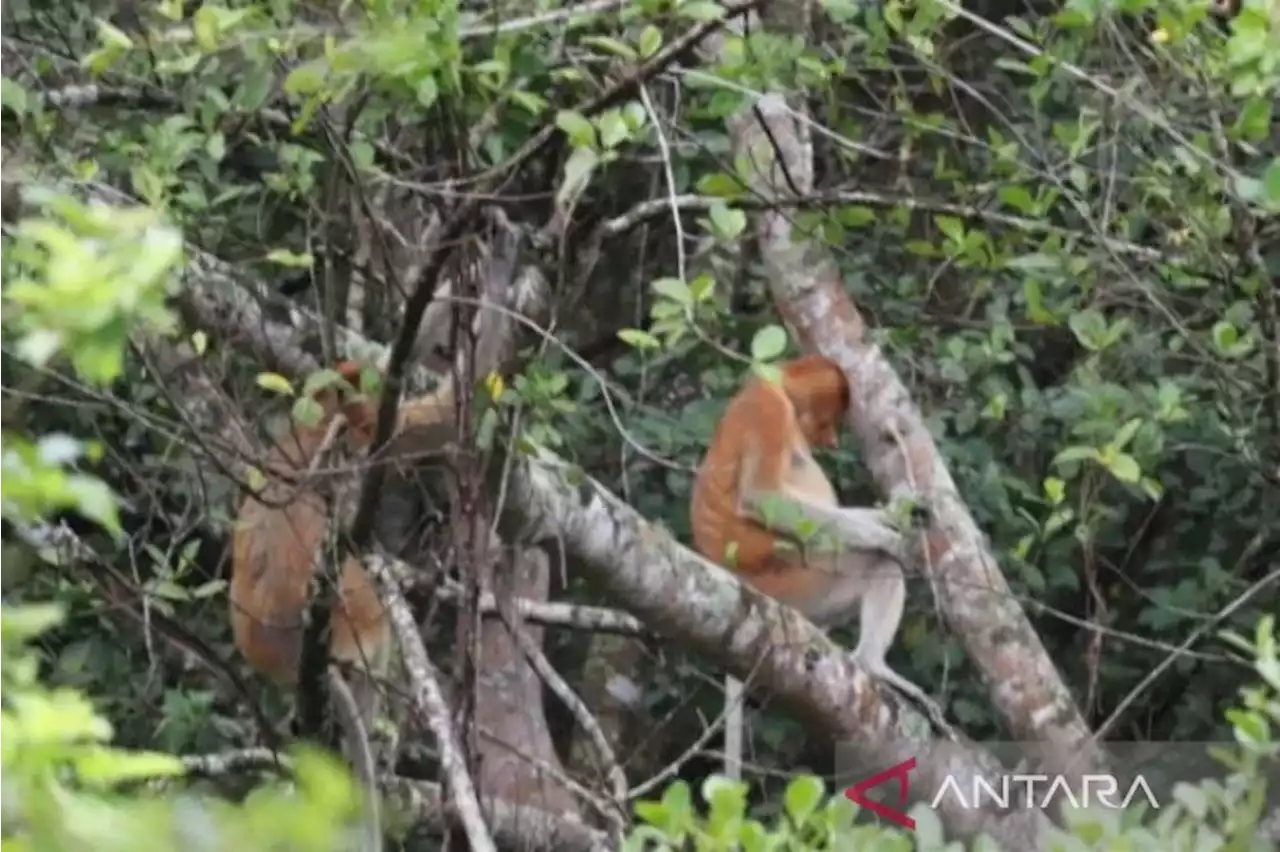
706 609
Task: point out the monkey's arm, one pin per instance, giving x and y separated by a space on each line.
826 528
768 497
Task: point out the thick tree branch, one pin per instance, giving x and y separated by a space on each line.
899 450
706 609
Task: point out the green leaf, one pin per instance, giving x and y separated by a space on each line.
577 173
1016 66
639 339
581 133
1192 798
1036 262
20 624
721 185
284 257
306 79
322 380
928 829
1124 467
1126 433
769 372
13 96
1271 179
96 501
768 343
1035 303
673 289
1054 489
1089 327
650 41
1225 335
702 288
529 102
728 222
275 383
802 798
307 412
635 115
613 128
654 813
612 45
952 226
427 92
206 28
1017 197
112 37
679 799
700 10
1254 122
855 215
1076 453
107 766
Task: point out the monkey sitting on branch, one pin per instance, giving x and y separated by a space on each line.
756 500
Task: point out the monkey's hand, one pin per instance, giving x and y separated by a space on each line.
827 528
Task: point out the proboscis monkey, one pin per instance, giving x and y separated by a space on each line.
275 545
758 482
278 532
277 538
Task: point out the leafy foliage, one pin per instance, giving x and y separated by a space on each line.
1060 225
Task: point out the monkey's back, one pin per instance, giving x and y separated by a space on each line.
274 545
759 419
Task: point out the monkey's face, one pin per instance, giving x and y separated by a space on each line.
819 430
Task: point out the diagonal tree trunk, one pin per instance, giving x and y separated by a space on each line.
1024 685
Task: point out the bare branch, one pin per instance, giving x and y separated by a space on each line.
593 619
428 700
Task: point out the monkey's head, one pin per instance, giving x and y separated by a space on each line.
359 408
819 391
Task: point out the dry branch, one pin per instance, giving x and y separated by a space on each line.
428 698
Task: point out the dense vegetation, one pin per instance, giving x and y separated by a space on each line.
1059 224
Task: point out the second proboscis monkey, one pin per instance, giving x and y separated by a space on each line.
278 533
762 449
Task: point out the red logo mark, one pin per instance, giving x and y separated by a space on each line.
857 792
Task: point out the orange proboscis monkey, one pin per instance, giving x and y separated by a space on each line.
277 539
761 459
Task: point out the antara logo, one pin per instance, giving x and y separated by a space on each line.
1039 791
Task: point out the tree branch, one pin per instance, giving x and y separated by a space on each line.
708 610
898 448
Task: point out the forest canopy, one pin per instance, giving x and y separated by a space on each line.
456 295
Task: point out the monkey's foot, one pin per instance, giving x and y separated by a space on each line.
910 690
933 711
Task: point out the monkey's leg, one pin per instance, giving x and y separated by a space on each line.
883 600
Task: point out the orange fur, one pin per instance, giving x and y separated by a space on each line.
276 542
762 442
762 447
